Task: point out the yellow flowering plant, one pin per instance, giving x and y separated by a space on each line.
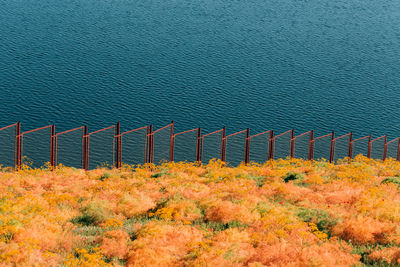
282 212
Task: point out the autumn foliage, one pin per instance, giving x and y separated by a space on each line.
281 213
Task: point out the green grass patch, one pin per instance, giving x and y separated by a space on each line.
217 226
291 176
321 218
159 174
263 208
105 176
91 214
260 180
392 180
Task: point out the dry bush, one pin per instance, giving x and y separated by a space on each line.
115 243
388 255
297 254
189 214
160 244
364 230
184 211
228 248
133 204
226 211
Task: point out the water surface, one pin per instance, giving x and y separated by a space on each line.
263 64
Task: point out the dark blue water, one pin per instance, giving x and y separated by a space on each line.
263 64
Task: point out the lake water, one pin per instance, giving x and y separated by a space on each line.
263 64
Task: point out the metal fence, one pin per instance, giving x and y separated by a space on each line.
109 147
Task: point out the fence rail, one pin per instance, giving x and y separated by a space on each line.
108 146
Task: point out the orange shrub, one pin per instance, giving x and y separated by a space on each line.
364 230
228 248
131 204
388 255
179 211
297 254
226 211
202 215
160 244
115 243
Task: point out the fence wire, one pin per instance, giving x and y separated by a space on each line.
378 147
341 147
101 148
142 145
282 145
7 146
360 147
185 146
211 146
235 148
161 144
69 147
392 148
259 147
302 146
133 147
36 148
322 147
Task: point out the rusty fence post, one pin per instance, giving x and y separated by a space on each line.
223 144
332 151
247 147
350 154
311 146
291 148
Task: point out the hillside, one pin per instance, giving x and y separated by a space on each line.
282 213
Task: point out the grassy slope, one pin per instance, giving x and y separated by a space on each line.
282 213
